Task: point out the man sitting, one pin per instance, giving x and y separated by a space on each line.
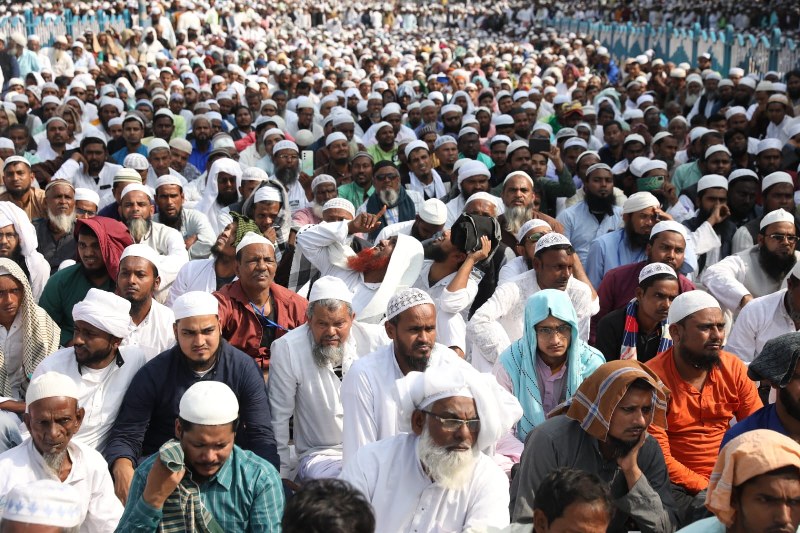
19 243
175 487
568 493
54 232
709 387
198 236
546 366
640 330
436 477
603 430
306 369
53 417
149 408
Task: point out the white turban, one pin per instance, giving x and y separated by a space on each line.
195 303
50 385
330 288
639 201
267 194
12 214
106 311
209 403
226 165
433 211
498 410
44 502
472 168
690 302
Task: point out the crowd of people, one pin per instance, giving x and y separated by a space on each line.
340 269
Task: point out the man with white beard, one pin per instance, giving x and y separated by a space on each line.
136 211
285 156
306 369
435 477
54 232
518 198
53 417
324 188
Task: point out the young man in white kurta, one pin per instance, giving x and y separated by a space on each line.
299 387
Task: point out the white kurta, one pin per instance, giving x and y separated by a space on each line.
737 276
196 275
512 269
499 321
390 475
75 173
101 391
300 388
451 307
169 244
154 334
762 319
100 508
369 397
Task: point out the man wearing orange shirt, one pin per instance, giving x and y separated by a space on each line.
709 387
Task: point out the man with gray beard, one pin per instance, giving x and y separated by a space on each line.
306 369
53 418
518 198
435 476
286 158
136 211
54 232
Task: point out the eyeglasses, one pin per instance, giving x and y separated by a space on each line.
454 424
561 331
8 236
386 177
782 236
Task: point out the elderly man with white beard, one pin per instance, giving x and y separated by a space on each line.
518 198
53 416
323 188
436 477
373 274
306 369
54 232
136 210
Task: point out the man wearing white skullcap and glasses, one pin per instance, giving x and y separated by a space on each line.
370 410
436 476
99 365
53 417
200 480
709 387
147 418
307 364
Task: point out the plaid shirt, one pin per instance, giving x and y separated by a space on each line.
245 495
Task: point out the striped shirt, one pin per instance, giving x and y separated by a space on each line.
245 495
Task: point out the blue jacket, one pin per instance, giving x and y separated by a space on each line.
146 419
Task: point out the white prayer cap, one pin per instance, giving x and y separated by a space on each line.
500 139
503 120
697 132
319 180
442 140
598 166
340 203
735 110
209 403
516 145
688 303
285 145
639 201
529 225
747 81
711 181
469 130
141 250
497 409
775 178
157 144
472 168
87 195
575 142
254 174
390 109
634 138
406 299
433 211
550 240
195 303
661 135
51 385
654 164
779 215
711 150
44 502
413 145
769 143
133 187
741 173
15 159
136 162
451 108
637 166
168 179
253 238
736 71
267 194
330 288
335 136
793 128
105 310
481 195
654 269
181 144
518 173
668 225
6 143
